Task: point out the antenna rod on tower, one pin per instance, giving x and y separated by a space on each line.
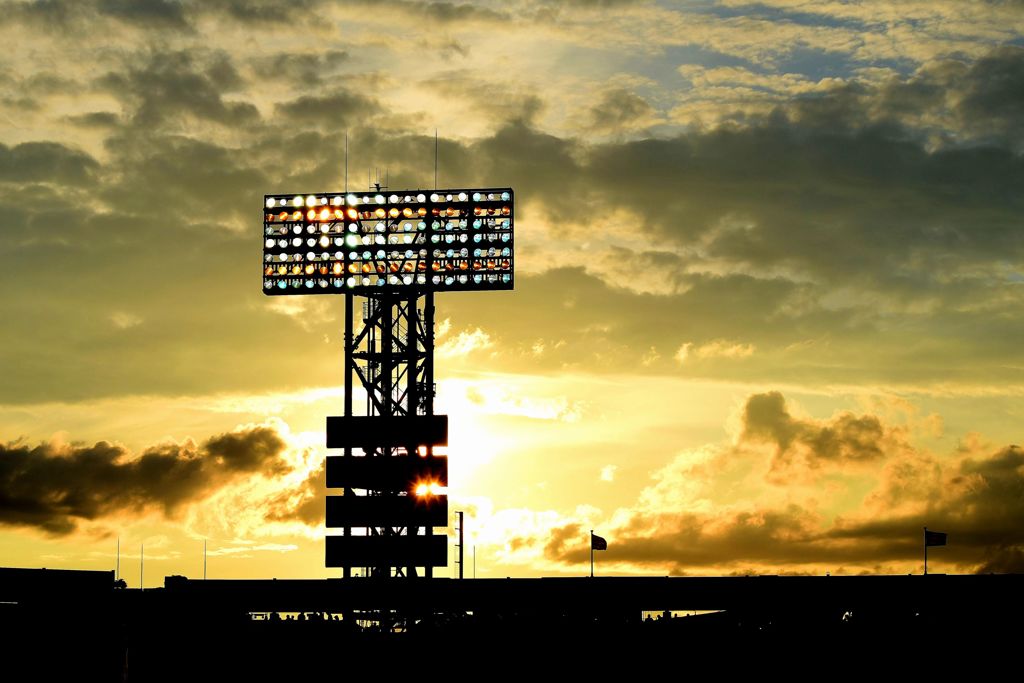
117 565
435 158
346 162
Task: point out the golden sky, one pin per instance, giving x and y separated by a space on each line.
767 308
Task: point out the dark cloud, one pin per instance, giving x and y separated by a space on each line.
295 12
562 538
76 15
846 438
306 503
450 12
619 110
333 110
991 101
1004 561
52 487
954 101
977 500
303 69
198 180
443 13
161 14
171 85
499 102
96 119
46 162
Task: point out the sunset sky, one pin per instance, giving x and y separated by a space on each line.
768 305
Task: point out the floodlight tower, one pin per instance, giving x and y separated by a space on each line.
395 250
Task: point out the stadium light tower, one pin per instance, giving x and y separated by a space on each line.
395 250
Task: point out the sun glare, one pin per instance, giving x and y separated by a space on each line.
430 488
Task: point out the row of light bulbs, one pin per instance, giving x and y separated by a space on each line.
393 280
391 255
327 214
353 240
354 200
446 226
409 266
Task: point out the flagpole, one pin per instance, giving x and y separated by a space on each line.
591 553
926 551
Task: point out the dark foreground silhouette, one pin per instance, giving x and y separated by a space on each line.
76 625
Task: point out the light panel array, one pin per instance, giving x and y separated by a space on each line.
331 243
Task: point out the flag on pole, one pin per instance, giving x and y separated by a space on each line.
933 538
597 543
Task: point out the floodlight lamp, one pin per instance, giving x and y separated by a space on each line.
379 199
297 201
336 200
270 203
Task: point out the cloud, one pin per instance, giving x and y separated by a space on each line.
305 503
339 108
123 320
54 486
782 244
618 110
302 68
679 525
46 162
171 87
718 348
464 343
149 13
845 439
